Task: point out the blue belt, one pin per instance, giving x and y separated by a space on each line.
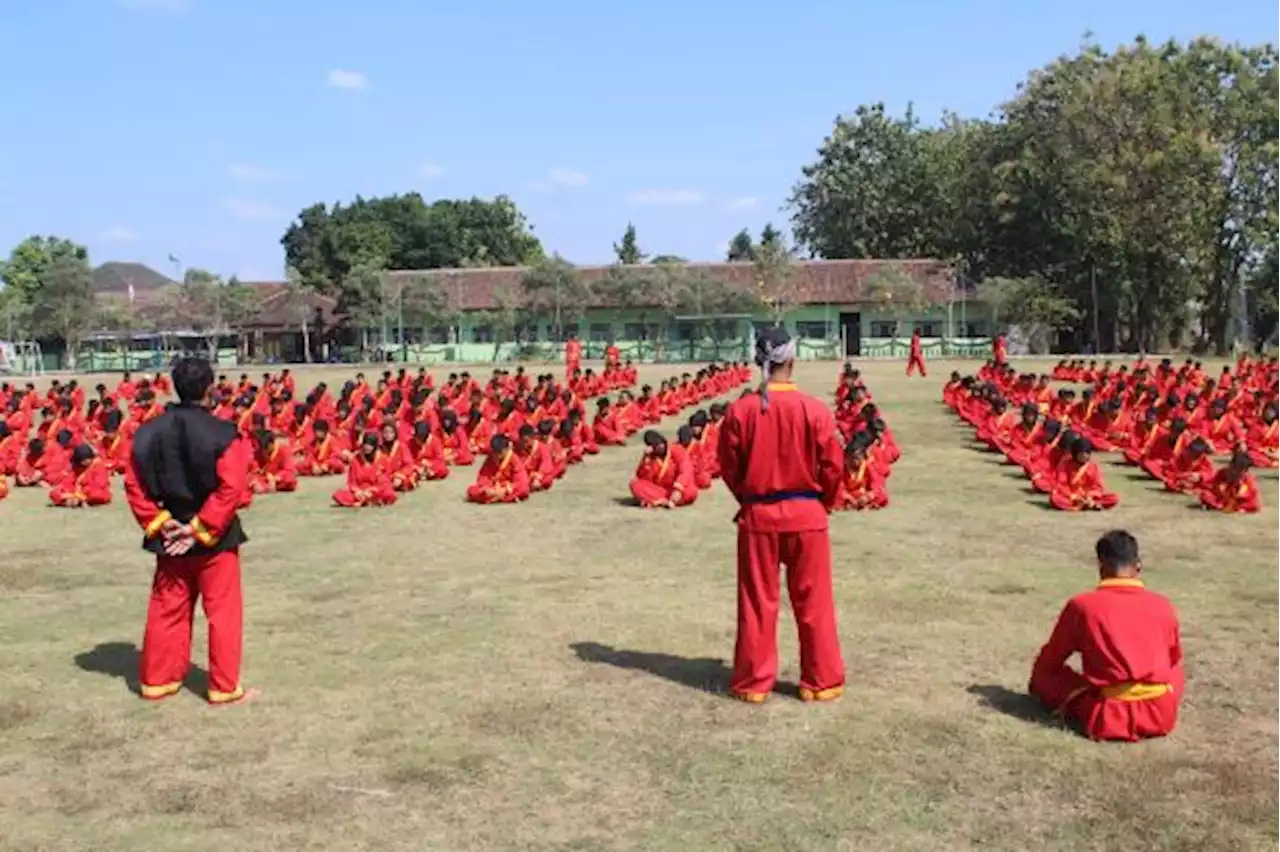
781 497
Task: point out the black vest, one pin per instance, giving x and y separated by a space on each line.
176 457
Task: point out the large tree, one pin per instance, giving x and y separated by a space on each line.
329 245
30 260
66 309
1138 185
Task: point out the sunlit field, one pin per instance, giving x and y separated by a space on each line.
551 675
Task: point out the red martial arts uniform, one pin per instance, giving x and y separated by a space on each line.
783 464
1226 495
368 483
89 485
1130 678
193 468
915 360
500 480
670 477
862 488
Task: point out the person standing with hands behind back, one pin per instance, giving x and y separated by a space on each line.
185 479
781 459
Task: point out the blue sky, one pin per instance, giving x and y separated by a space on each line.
201 127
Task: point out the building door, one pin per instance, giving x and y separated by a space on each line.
851 329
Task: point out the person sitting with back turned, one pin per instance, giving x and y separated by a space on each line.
1130 679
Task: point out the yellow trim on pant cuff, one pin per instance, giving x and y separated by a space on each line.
751 697
157 522
821 694
216 697
202 534
161 691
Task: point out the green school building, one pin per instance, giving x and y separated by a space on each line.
834 308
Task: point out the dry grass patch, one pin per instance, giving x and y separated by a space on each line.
549 676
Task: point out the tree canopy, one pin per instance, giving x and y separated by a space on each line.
326 245
1150 172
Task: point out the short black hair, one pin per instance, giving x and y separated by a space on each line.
192 378
1117 550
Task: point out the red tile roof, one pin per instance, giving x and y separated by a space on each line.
815 281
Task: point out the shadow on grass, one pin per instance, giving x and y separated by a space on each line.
1019 705
627 501
706 674
120 659
1042 502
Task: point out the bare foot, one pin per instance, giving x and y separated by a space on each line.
251 694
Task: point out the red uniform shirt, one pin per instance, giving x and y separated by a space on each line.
1124 634
770 455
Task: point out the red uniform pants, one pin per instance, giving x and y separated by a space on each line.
166 645
807 556
916 362
1068 692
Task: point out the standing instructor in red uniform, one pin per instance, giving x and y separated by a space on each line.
186 477
780 457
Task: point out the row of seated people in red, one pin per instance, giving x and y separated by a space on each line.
870 448
1058 460
1238 411
75 476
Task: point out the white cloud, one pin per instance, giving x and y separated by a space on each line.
244 208
172 6
249 173
430 171
341 79
560 176
120 234
746 202
667 197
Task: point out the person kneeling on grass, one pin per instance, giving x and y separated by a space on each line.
862 486
86 483
502 478
368 482
664 478
1078 484
1131 677
1232 488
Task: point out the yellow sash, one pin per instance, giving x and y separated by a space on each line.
1135 691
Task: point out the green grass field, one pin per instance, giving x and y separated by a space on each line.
548 676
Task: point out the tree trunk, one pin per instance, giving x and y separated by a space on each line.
306 343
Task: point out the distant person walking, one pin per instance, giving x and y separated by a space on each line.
1000 349
915 360
186 477
780 457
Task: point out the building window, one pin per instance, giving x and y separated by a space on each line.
762 327
600 332
883 328
684 331
812 330
526 332
482 334
437 335
929 328
566 329
635 331
975 329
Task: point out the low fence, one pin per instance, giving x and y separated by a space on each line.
638 351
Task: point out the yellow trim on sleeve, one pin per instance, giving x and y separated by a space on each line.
782 386
156 523
202 534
